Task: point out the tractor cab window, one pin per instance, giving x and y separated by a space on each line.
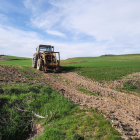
44 48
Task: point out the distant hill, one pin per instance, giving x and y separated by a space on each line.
10 58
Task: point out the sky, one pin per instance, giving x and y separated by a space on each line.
76 28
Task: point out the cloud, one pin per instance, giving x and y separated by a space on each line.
76 28
17 42
52 32
36 7
111 21
103 19
23 43
46 20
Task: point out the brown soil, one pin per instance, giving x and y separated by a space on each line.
122 109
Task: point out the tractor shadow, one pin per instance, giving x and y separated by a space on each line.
65 69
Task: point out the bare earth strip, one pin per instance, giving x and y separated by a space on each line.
122 109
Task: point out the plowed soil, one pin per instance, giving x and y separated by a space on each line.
122 109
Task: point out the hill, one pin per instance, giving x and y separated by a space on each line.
14 60
104 68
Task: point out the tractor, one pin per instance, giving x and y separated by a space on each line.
45 58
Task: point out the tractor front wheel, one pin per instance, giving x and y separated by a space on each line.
34 61
39 64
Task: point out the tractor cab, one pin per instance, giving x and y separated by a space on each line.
45 48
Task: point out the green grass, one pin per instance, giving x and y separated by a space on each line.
55 75
130 87
64 119
65 81
85 123
9 58
17 62
21 61
105 68
27 71
88 92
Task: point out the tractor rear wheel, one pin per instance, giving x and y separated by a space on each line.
39 64
60 69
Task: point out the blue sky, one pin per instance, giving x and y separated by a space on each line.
76 28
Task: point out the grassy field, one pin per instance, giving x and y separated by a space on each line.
63 119
9 58
16 61
105 68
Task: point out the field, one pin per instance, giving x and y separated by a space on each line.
13 60
31 98
108 68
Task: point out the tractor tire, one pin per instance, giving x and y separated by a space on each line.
39 64
58 69
34 61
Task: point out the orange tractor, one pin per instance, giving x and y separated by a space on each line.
45 58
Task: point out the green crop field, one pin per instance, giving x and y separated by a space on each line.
16 61
8 57
104 68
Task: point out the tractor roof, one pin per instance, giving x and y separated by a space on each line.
44 45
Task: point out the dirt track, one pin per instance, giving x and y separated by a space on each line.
122 109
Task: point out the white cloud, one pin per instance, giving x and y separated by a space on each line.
23 43
46 20
35 6
113 21
102 19
114 25
52 32
31 5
